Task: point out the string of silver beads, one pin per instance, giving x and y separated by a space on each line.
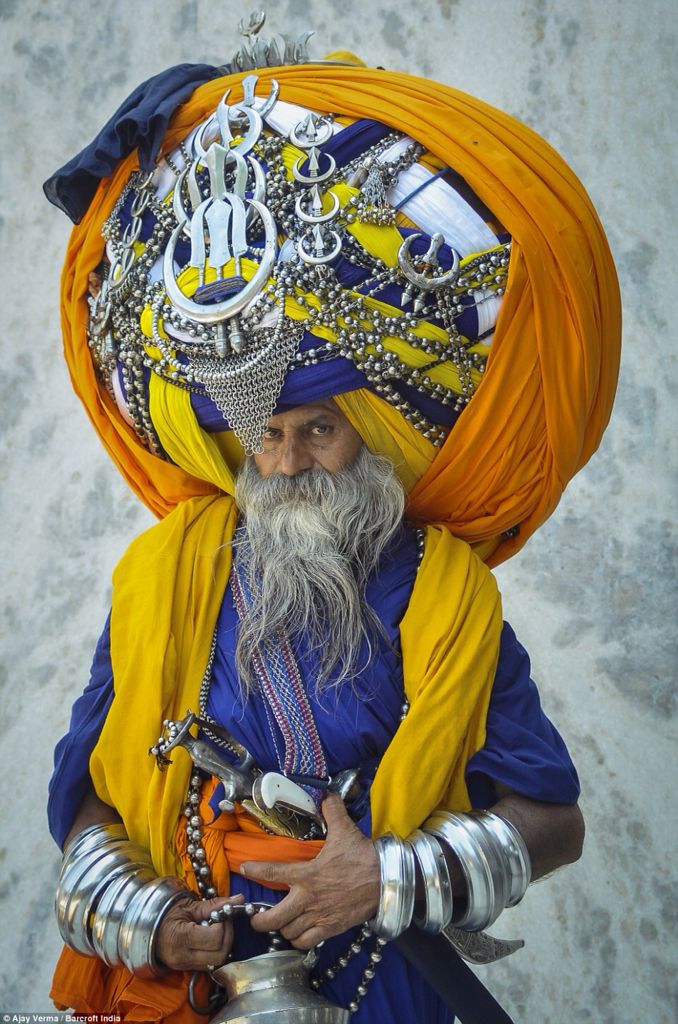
374 958
250 910
194 844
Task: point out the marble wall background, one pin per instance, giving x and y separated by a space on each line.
592 596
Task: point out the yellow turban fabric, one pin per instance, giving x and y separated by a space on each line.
546 396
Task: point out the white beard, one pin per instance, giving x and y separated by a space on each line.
316 538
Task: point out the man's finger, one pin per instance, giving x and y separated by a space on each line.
277 917
311 937
297 927
217 956
202 909
205 939
199 960
335 813
265 871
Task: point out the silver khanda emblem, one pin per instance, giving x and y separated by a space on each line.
218 226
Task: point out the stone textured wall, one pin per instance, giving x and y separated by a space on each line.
592 596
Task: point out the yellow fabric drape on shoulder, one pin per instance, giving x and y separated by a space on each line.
547 392
449 640
167 591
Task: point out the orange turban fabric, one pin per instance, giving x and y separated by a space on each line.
546 396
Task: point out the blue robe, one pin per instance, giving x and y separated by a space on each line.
355 723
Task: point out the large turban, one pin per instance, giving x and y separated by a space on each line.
539 410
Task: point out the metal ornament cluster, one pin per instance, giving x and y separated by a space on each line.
277 802
320 243
218 241
261 53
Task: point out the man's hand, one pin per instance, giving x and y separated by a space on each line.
184 944
329 894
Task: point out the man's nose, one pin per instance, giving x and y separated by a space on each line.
294 457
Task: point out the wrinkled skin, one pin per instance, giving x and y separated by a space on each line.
337 889
184 944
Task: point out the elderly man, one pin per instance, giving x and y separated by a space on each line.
281 319
323 538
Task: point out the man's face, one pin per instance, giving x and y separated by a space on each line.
314 436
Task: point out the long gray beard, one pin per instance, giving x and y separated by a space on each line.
316 538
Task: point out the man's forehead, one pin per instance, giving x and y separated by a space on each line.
309 411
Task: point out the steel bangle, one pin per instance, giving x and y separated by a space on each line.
111 908
79 877
396 903
140 923
92 837
91 887
481 908
109 901
514 849
92 860
407 855
493 858
436 880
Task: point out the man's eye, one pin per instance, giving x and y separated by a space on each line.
320 429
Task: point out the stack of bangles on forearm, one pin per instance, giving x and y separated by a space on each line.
110 903
492 858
